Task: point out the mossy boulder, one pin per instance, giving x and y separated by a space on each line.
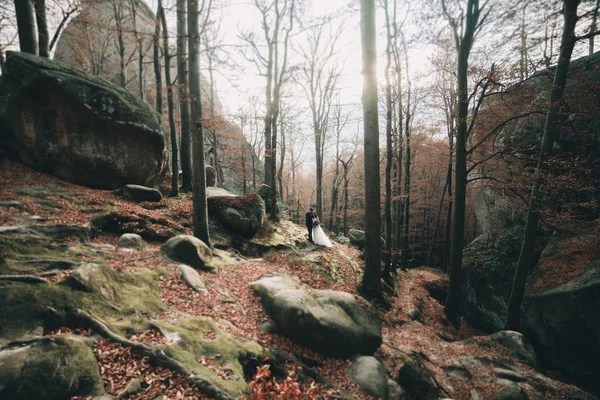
131 241
240 215
50 368
201 337
78 127
331 322
188 250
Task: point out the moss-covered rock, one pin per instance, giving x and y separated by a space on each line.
49 369
148 227
77 126
131 241
188 250
229 353
241 215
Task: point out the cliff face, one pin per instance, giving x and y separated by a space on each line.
560 314
90 42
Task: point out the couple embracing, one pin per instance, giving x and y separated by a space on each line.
315 232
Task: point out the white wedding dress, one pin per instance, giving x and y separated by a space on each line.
319 237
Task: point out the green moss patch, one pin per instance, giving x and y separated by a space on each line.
200 338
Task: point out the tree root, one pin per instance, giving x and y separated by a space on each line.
82 318
23 278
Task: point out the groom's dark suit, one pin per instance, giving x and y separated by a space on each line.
309 225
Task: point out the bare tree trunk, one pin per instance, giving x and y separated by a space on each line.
388 136
346 170
458 232
26 26
594 27
406 218
199 186
550 129
133 6
336 181
42 27
281 158
157 72
372 271
184 103
170 105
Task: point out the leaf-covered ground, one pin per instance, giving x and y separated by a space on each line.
229 300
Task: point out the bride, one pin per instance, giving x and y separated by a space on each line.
319 237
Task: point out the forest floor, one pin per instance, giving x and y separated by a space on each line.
463 363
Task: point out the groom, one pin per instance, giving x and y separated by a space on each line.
309 224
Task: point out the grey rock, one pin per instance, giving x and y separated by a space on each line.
357 238
211 176
268 327
141 193
457 371
414 314
188 250
12 204
511 392
328 321
508 374
517 345
86 277
131 241
192 278
370 375
417 382
93 133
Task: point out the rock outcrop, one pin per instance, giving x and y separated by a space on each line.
77 126
370 375
141 193
241 215
560 314
329 321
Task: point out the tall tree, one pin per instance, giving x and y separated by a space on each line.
184 103
156 61
319 81
134 5
199 183
464 29
42 27
551 128
391 34
277 20
26 26
118 10
170 106
372 272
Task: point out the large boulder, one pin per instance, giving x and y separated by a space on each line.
560 314
188 250
331 322
77 126
49 368
242 215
